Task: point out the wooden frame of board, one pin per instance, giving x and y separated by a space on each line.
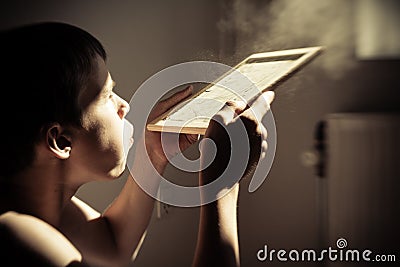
286 62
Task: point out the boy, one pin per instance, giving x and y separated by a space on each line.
63 127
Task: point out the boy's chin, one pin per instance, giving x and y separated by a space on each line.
117 171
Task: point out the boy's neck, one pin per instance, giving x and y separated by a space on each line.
37 192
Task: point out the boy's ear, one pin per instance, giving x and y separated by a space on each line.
58 141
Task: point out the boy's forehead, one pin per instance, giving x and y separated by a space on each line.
109 82
99 82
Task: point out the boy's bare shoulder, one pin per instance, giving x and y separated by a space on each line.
27 240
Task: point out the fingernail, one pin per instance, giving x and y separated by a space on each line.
271 95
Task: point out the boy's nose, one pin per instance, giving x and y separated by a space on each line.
123 108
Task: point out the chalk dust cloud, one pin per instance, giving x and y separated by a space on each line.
284 24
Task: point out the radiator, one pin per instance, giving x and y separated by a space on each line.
358 193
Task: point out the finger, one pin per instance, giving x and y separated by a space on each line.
264 133
229 111
190 138
264 146
268 96
259 106
177 97
186 140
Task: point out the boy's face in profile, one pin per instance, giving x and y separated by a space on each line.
98 147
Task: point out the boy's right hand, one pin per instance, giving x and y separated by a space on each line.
236 122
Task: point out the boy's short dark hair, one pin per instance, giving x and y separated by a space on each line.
44 67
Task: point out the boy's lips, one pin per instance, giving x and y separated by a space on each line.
128 132
131 140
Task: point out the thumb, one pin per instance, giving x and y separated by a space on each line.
177 97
